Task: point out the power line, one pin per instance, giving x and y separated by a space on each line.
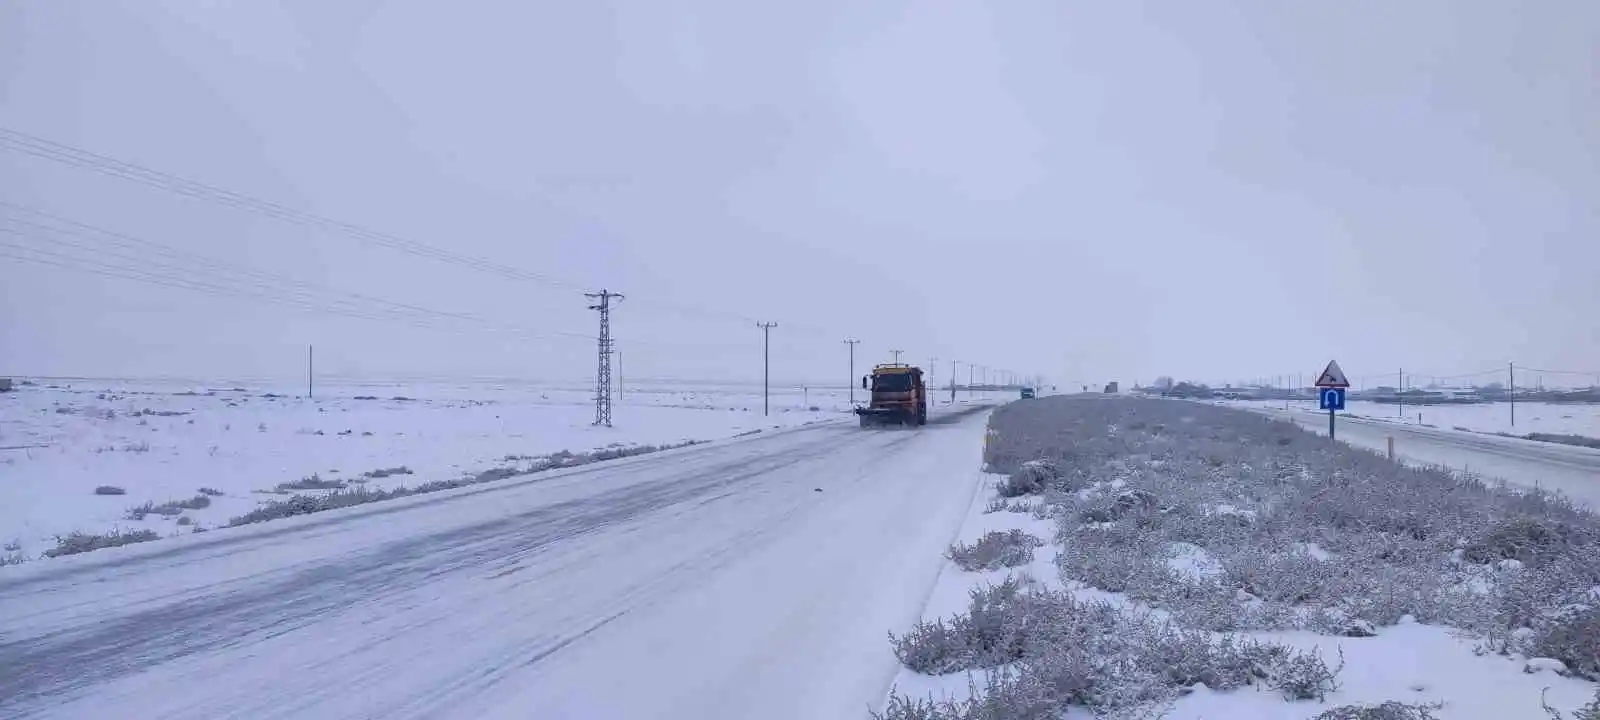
122 245
212 278
43 148
46 149
67 154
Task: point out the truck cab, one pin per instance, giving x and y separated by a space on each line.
898 396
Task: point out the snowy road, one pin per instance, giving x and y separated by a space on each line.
754 578
1569 469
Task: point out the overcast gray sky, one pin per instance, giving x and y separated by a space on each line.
1090 190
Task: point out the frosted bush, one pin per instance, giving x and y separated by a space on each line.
1308 535
1390 710
1046 650
995 550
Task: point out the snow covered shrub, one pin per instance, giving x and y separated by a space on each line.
314 482
83 542
1590 710
1390 710
1115 557
170 508
1029 479
1046 650
1573 637
1182 657
12 554
995 550
1292 577
1529 540
150 508
1305 676
1001 697
989 634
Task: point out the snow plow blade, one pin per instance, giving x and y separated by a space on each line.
885 416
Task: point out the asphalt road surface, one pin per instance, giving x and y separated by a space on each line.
750 578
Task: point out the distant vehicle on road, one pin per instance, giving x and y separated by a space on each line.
1027 393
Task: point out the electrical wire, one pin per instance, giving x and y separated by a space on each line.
46 149
43 148
215 284
253 276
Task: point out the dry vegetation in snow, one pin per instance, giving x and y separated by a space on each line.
1216 525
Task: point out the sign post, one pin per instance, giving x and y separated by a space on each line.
1331 385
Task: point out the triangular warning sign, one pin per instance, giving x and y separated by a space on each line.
1332 376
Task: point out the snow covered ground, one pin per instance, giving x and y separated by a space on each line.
1412 662
1532 417
1403 661
750 577
1571 470
159 442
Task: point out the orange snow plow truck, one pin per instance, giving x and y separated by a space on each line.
898 397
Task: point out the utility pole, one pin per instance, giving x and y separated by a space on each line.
309 373
954 364
896 355
1400 394
1511 370
766 364
852 342
928 382
602 374
970 369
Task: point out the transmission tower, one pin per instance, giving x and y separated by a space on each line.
602 374
897 355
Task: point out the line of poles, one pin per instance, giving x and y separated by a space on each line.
603 380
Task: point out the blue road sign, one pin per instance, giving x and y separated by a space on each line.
1330 399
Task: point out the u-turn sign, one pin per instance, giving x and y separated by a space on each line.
1330 399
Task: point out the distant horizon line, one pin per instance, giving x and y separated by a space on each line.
218 382
227 383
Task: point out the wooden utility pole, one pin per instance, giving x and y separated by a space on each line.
852 342
1511 392
766 364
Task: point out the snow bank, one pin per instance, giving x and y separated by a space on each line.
1492 418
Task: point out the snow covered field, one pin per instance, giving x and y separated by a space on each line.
1160 576
1552 418
1568 469
221 451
